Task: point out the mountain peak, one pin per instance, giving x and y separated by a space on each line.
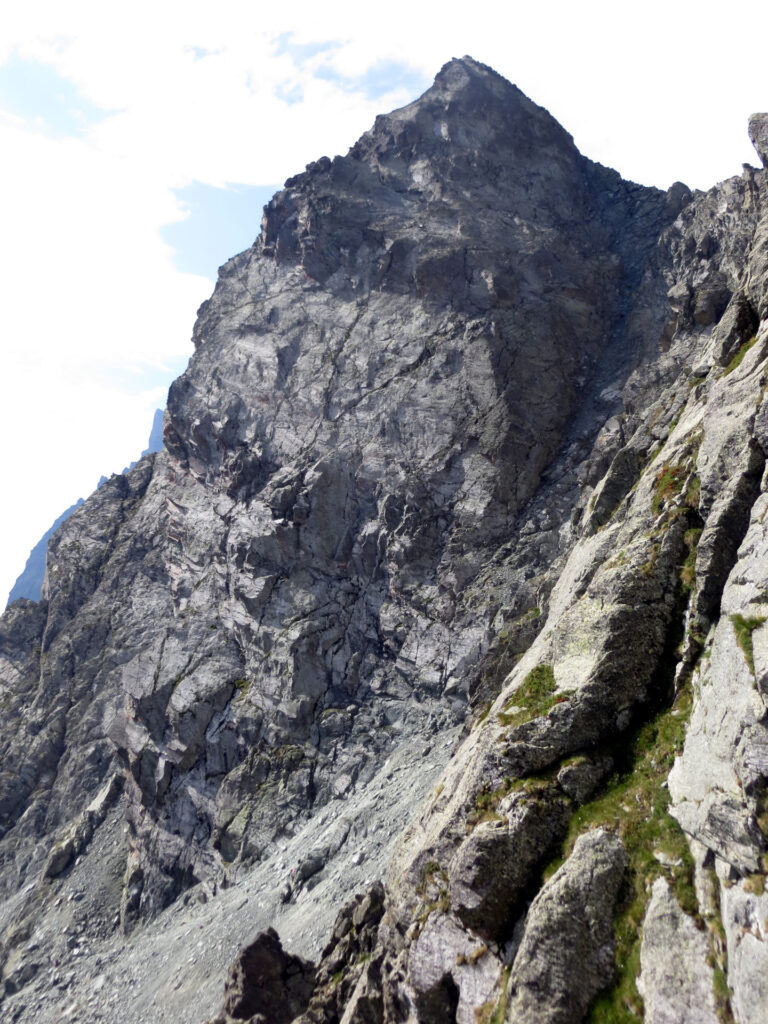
466 67
421 547
472 141
475 98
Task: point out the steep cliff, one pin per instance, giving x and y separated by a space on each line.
30 583
450 576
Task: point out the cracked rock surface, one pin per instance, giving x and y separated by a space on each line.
422 676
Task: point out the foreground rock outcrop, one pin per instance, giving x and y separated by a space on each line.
447 591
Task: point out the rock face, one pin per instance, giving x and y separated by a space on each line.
267 984
569 935
677 981
458 526
758 133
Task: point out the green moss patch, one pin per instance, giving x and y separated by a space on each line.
506 650
667 485
688 568
635 805
744 627
738 358
242 686
533 698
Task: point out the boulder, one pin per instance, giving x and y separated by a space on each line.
267 983
566 953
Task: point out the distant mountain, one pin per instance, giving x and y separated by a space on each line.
30 582
155 443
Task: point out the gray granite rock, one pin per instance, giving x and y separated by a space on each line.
758 133
466 475
566 953
492 868
267 984
745 913
676 981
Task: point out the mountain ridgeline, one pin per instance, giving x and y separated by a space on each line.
29 584
422 676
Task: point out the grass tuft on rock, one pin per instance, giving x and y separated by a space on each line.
496 1012
486 803
672 477
533 698
433 890
737 359
668 483
635 805
688 568
722 995
761 818
483 713
744 627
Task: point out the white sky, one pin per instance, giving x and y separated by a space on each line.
95 319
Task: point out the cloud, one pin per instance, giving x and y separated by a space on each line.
376 81
94 316
33 93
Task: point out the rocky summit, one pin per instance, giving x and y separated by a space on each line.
422 677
